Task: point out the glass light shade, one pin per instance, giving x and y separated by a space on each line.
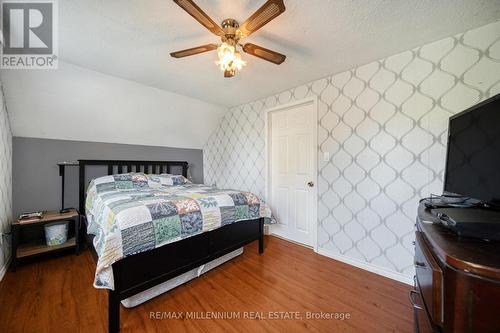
229 60
238 63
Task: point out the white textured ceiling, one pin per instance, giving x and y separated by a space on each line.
132 39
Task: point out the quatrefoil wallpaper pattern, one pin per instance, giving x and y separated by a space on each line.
385 126
5 177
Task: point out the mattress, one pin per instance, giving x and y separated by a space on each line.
177 281
134 212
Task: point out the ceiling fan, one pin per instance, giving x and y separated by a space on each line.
230 32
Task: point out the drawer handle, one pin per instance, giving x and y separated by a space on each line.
420 264
412 300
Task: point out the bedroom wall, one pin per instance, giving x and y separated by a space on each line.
5 183
384 125
37 184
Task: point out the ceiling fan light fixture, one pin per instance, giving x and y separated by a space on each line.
229 59
238 62
229 73
230 32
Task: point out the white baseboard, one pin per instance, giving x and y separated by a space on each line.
292 241
6 264
3 270
367 266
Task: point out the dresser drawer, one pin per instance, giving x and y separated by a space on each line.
420 316
429 279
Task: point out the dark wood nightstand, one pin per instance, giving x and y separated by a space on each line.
34 245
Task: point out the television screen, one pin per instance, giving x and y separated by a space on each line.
473 162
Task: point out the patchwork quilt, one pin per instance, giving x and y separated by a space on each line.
135 212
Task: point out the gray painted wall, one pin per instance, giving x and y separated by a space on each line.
36 184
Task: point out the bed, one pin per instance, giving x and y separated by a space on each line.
149 228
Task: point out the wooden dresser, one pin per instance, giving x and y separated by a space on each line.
457 280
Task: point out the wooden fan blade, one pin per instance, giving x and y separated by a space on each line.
263 15
193 51
192 9
264 53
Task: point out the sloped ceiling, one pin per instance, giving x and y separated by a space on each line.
132 39
75 103
117 83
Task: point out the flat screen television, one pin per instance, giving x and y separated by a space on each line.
473 157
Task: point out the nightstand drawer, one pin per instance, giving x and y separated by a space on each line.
429 279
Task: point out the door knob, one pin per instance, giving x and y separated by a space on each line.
310 184
419 264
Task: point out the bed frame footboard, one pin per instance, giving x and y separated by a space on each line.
145 270
142 271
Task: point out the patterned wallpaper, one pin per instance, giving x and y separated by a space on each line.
5 180
385 126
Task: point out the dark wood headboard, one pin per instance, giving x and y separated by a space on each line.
124 166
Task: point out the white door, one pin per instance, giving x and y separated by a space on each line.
292 171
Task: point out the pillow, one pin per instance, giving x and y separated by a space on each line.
124 181
166 179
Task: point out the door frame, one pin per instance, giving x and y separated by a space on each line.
267 115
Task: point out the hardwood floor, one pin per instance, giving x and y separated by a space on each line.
56 295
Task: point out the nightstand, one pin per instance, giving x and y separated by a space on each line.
28 238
